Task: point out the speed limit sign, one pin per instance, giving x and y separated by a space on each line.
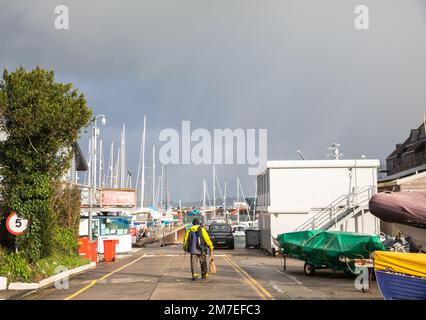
16 225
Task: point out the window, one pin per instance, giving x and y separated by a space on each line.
220 228
114 226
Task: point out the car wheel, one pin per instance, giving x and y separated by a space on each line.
309 269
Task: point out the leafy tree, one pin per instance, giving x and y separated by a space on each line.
41 119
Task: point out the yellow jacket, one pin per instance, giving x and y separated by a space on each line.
203 233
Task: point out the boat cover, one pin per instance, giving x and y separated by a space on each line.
413 264
324 248
400 207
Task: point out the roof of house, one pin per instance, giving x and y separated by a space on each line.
405 173
416 138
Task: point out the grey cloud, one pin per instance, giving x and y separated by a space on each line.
296 68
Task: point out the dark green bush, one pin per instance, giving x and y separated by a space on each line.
42 119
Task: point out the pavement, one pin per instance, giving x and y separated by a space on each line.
162 273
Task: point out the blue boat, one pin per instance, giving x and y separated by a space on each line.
397 286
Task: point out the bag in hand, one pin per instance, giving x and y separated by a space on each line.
212 265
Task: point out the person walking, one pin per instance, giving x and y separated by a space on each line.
197 242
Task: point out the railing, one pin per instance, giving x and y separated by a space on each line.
339 208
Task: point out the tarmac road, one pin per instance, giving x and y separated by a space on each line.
164 273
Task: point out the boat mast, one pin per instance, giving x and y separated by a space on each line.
224 198
143 163
117 169
161 186
111 166
123 158
238 189
101 163
214 191
168 198
204 193
87 176
153 175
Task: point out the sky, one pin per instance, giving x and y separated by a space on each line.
297 68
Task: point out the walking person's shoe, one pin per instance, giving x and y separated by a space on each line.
195 277
204 276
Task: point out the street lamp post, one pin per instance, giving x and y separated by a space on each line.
93 168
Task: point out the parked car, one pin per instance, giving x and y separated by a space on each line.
239 230
221 235
215 220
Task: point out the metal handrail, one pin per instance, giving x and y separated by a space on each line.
338 206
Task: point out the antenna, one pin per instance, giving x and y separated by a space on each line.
335 151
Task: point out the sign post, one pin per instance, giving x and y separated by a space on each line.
16 225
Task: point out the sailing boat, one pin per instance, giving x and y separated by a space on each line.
165 209
145 213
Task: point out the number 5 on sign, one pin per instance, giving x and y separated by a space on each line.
16 225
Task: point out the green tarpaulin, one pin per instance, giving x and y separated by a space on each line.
323 248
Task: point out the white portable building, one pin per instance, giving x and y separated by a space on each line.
315 194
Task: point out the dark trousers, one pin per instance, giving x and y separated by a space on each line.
203 262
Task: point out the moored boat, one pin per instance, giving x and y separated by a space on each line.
328 249
401 276
406 211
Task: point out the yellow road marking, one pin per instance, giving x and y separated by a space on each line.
247 280
102 278
262 292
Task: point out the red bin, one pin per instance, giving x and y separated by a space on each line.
109 250
83 247
93 249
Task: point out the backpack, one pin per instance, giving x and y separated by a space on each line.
199 241
201 244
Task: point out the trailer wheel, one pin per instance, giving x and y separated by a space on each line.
309 269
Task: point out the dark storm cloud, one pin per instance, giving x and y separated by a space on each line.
296 68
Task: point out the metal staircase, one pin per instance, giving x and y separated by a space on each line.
340 210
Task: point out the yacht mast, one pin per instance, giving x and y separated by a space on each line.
111 166
161 186
204 193
123 157
238 189
153 175
140 180
87 176
101 163
117 169
214 191
224 198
